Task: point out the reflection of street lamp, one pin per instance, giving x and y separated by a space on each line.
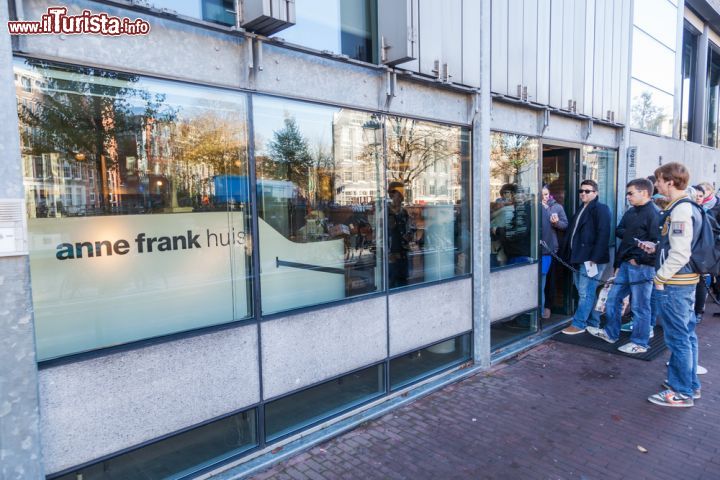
372 127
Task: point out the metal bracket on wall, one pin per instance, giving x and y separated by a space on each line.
588 129
544 121
390 87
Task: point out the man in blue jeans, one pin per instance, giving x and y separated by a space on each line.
632 266
675 283
586 247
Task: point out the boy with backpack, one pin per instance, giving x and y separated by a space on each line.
675 281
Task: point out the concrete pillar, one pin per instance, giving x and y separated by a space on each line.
481 196
20 455
698 133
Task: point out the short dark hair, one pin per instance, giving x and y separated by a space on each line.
699 188
676 172
590 182
509 187
641 184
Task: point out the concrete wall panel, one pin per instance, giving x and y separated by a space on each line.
170 49
420 316
96 407
702 161
306 348
513 118
513 291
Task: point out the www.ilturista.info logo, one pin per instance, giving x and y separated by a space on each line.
57 21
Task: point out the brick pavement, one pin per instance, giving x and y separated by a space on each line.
556 412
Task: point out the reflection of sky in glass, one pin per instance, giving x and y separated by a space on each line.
317 25
658 18
652 62
191 8
655 115
314 121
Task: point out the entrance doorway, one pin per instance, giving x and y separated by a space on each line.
563 168
559 173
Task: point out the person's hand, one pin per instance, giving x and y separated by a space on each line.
554 218
647 247
659 286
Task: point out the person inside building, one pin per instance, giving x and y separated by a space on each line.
634 270
675 281
586 248
553 221
401 231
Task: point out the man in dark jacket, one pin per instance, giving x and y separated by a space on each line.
634 266
586 246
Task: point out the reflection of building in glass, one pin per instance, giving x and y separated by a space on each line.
356 151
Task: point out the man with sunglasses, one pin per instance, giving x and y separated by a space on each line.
633 265
586 248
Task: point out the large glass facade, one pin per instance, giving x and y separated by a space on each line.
653 66
216 11
713 98
428 175
513 199
415 366
136 191
346 27
689 80
319 180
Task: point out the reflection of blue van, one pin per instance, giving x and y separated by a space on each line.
234 189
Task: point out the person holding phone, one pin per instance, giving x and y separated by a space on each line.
586 247
553 221
638 226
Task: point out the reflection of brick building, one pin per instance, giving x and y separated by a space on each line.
355 151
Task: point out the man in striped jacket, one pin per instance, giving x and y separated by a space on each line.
675 283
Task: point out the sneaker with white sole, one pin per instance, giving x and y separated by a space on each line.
652 333
626 327
697 394
701 370
632 348
601 334
668 398
573 330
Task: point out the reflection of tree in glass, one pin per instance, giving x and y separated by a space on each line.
511 156
290 154
646 115
414 147
85 112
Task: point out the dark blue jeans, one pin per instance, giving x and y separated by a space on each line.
675 305
586 297
639 302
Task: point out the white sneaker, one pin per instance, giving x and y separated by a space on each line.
632 348
652 333
701 370
601 334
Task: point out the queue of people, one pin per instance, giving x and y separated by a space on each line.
652 265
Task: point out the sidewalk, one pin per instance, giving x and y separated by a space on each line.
556 412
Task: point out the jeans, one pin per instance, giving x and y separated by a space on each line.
675 304
639 302
586 292
544 269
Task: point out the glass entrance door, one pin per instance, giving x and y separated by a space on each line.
559 174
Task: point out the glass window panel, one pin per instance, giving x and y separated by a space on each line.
658 18
159 243
689 78
600 164
339 26
298 410
651 109
319 202
179 455
217 11
713 97
428 201
652 62
509 330
428 361
513 199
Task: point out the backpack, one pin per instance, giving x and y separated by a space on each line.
705 256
